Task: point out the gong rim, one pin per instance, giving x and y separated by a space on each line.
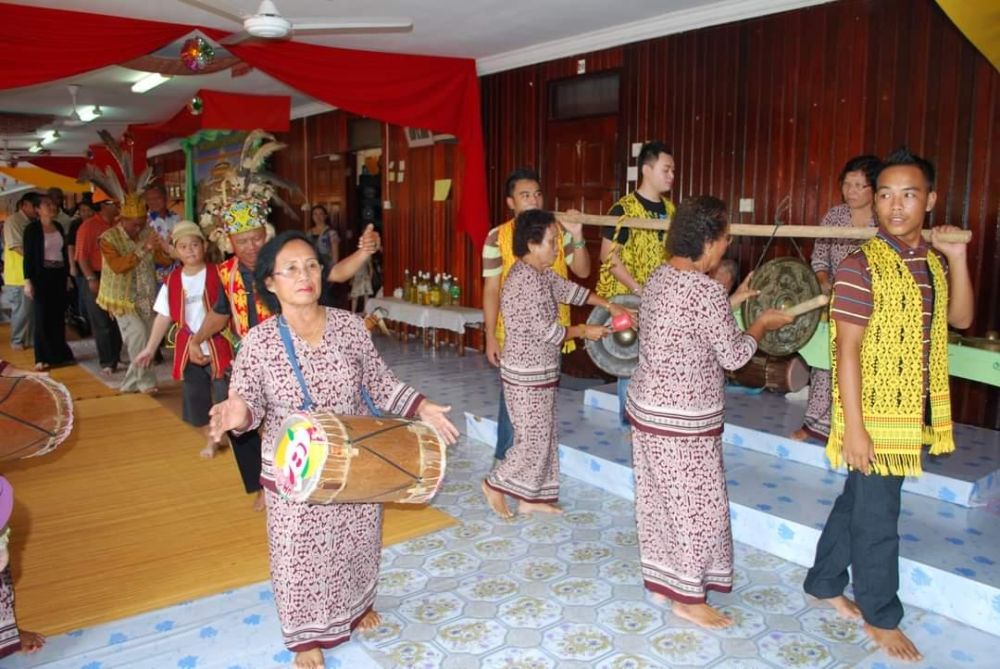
607 353
784 282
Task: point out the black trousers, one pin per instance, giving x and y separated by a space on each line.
107 336
50 317
863 532
246 448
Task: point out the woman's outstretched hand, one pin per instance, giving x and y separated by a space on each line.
230 414
435 414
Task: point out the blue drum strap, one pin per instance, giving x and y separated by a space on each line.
286 339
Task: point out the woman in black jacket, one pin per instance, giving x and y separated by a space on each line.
46 279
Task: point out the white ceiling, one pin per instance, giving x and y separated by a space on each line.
498 34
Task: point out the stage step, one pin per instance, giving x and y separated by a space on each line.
949 555
760 422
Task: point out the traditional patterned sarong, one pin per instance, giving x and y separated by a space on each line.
817 418
339 547
10 638
682 513
530 472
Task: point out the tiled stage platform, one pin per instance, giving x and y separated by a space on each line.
781 492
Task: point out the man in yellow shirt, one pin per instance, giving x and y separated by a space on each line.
524 192
22 311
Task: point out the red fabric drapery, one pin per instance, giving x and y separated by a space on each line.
440 94
68 166
225 111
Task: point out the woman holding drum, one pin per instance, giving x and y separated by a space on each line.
856 186
324 558
676 403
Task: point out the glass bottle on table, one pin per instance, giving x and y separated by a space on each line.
456 293
435 291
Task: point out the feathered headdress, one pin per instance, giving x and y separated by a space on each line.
127 194
246 190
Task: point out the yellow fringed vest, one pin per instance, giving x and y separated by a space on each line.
641 254
892 384
505 241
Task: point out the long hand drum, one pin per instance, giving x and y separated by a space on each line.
323 458
780 375
36 415
783 283
616 353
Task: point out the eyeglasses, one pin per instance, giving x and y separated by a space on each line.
295 271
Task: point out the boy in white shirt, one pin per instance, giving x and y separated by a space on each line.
184 298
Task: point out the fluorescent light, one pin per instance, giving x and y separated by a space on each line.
149 82
88 114
49 137
36 148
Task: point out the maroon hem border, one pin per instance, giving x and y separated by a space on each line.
327 645
684 599
547 500
814 434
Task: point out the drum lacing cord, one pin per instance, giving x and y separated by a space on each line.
390 428
784 206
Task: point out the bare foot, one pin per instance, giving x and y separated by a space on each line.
209 451
894 643
496 501
41 366
702 615
258 501
31 642
309 659
370 621
535 507
799 435
844 607
107 371
150 391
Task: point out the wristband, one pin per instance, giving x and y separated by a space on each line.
580 244
5 539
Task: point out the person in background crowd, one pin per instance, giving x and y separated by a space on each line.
91 261
46 279
22 308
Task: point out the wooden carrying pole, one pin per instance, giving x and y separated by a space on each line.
745 230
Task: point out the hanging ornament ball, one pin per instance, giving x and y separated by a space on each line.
195 105
197 54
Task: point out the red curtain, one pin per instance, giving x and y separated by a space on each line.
225 111
440 94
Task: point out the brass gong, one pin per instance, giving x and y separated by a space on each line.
615 354
784 282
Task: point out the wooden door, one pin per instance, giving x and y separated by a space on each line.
580 171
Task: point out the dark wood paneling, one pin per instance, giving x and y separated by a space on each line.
772 107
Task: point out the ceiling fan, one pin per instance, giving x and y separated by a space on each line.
74 120
268 24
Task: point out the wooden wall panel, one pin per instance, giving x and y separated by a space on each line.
772 107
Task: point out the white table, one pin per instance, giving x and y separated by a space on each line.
430 319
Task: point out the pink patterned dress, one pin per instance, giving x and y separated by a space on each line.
324 558
529 370
827 255
675 401
10 637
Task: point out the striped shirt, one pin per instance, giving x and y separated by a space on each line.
852 299
493 259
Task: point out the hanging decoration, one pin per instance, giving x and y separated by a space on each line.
196 105
197 54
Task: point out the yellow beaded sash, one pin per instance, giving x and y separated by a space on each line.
641 253
892 379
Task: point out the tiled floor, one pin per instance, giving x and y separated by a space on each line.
527 593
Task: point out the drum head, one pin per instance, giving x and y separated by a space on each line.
36 415
610 354
784 282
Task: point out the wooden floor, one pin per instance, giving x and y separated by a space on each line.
125 517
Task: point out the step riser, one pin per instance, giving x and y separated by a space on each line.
935 486
962 599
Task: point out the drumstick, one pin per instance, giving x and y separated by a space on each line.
807 306
749 230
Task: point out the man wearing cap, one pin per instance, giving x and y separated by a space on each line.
90 261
